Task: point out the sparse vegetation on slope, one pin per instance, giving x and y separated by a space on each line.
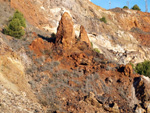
96 50
16 26
14 29
136 7
91 44
143 68
125 7
103 19
21 18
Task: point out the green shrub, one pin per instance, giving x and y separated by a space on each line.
92 44
136 7
16 25
20 16
143 68
125 7
96 50
14 29
103 19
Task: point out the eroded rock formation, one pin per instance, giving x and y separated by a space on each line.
65 31
128 70
83 36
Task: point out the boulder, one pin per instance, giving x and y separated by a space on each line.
147 106
139 109
83 36
111 107
65 31
128 70
90 99
40 47
141 86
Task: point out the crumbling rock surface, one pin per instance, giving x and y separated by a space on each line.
83 36
128 70
65 31
78 77
39 46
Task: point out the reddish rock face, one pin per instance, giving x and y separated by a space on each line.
126 69
39 46
83 36
65 32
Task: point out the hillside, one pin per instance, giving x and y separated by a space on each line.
125 31
54 68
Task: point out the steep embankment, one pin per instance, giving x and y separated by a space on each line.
62 73
125 37
16 94
73 76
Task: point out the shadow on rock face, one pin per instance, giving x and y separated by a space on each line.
121 69
52 39
139 89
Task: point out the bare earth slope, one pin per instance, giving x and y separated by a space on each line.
15 92
62 73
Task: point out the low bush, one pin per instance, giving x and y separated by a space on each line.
143 68
92 44
103 19
16 25
21 18
136 7
96 50
125 7
14 29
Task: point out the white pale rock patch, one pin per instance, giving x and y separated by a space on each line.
55 10
42 8
147 79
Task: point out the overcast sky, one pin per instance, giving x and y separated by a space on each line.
121 3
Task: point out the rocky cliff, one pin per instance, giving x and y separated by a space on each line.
54 67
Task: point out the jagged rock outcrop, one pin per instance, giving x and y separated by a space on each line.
90 99
112 107
147 106
65 31
128 70
139 109
39 46
83 36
